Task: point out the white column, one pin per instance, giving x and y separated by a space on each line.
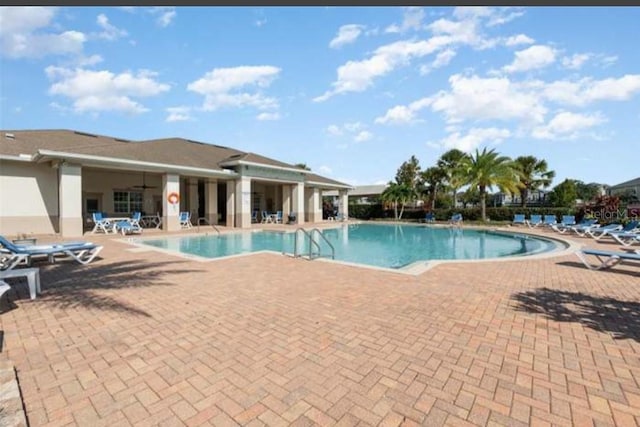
170 211
193 199
211 200
314 205
243 202
286 200
70 200
231 203
343 203
297 202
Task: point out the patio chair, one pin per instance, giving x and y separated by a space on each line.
291 218
265 217
569 223
82 252
626 238
429 217
534 221
101 223
254 216
456 218
607 259
185 220
519 219
278 218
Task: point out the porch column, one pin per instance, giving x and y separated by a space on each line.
70 200
286 200
211 200
193 199
231 203
314 205
343 203
243 202
170 211
297 203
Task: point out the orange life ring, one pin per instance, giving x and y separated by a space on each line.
173 198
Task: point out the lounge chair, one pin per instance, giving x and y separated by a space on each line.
185 220
519 219
429 217
101 223
549 220
596 232
579 228
627 238
82 252
607 259
534 221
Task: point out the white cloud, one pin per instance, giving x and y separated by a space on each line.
228 87
403 114
26 32
531 58
411 20
268 116
576 61
109 31
587 90
477 98
567 125
179 114
164 15
260 22
363 136
325 170
518 40
346 34
442 59
95 91
474 138
334 130
86 61
353 126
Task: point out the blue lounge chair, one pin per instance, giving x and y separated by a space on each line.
627 235
430 217
456 218
580 229
607 259
82 252
534 221
519 219
549 220
597 232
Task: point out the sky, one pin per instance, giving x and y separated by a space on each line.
352 92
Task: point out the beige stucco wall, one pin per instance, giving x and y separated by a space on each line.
105 182
28 198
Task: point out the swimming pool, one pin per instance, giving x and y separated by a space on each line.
378 245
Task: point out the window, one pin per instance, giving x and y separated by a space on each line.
127 201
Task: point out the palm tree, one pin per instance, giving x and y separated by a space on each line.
487 169
532 174
433 178
397 194
451 162
302 166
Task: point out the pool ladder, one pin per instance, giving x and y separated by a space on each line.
313 243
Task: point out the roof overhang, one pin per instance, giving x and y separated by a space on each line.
126 164
18 158
326 185
261 165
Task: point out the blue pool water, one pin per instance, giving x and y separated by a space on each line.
390 246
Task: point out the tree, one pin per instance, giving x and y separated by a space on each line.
564 195
433 179
452 163
532 175
408 173
487 169
587 192
397 194
470 197
302 166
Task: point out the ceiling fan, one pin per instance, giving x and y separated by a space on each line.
144 185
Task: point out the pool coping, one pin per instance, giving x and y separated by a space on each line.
414 269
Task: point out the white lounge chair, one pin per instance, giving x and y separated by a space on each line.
607 259
82 252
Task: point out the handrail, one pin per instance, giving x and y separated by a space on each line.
311 243
333 250
205 220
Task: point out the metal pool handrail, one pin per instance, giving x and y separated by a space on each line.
333 250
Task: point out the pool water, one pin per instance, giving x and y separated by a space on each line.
389 246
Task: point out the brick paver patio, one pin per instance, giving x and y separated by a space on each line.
142 338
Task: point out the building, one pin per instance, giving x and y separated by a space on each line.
363 194
52 180
534 198
629 188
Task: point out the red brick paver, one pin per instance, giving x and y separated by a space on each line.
142 338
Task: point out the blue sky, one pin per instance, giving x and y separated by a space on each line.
350 91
